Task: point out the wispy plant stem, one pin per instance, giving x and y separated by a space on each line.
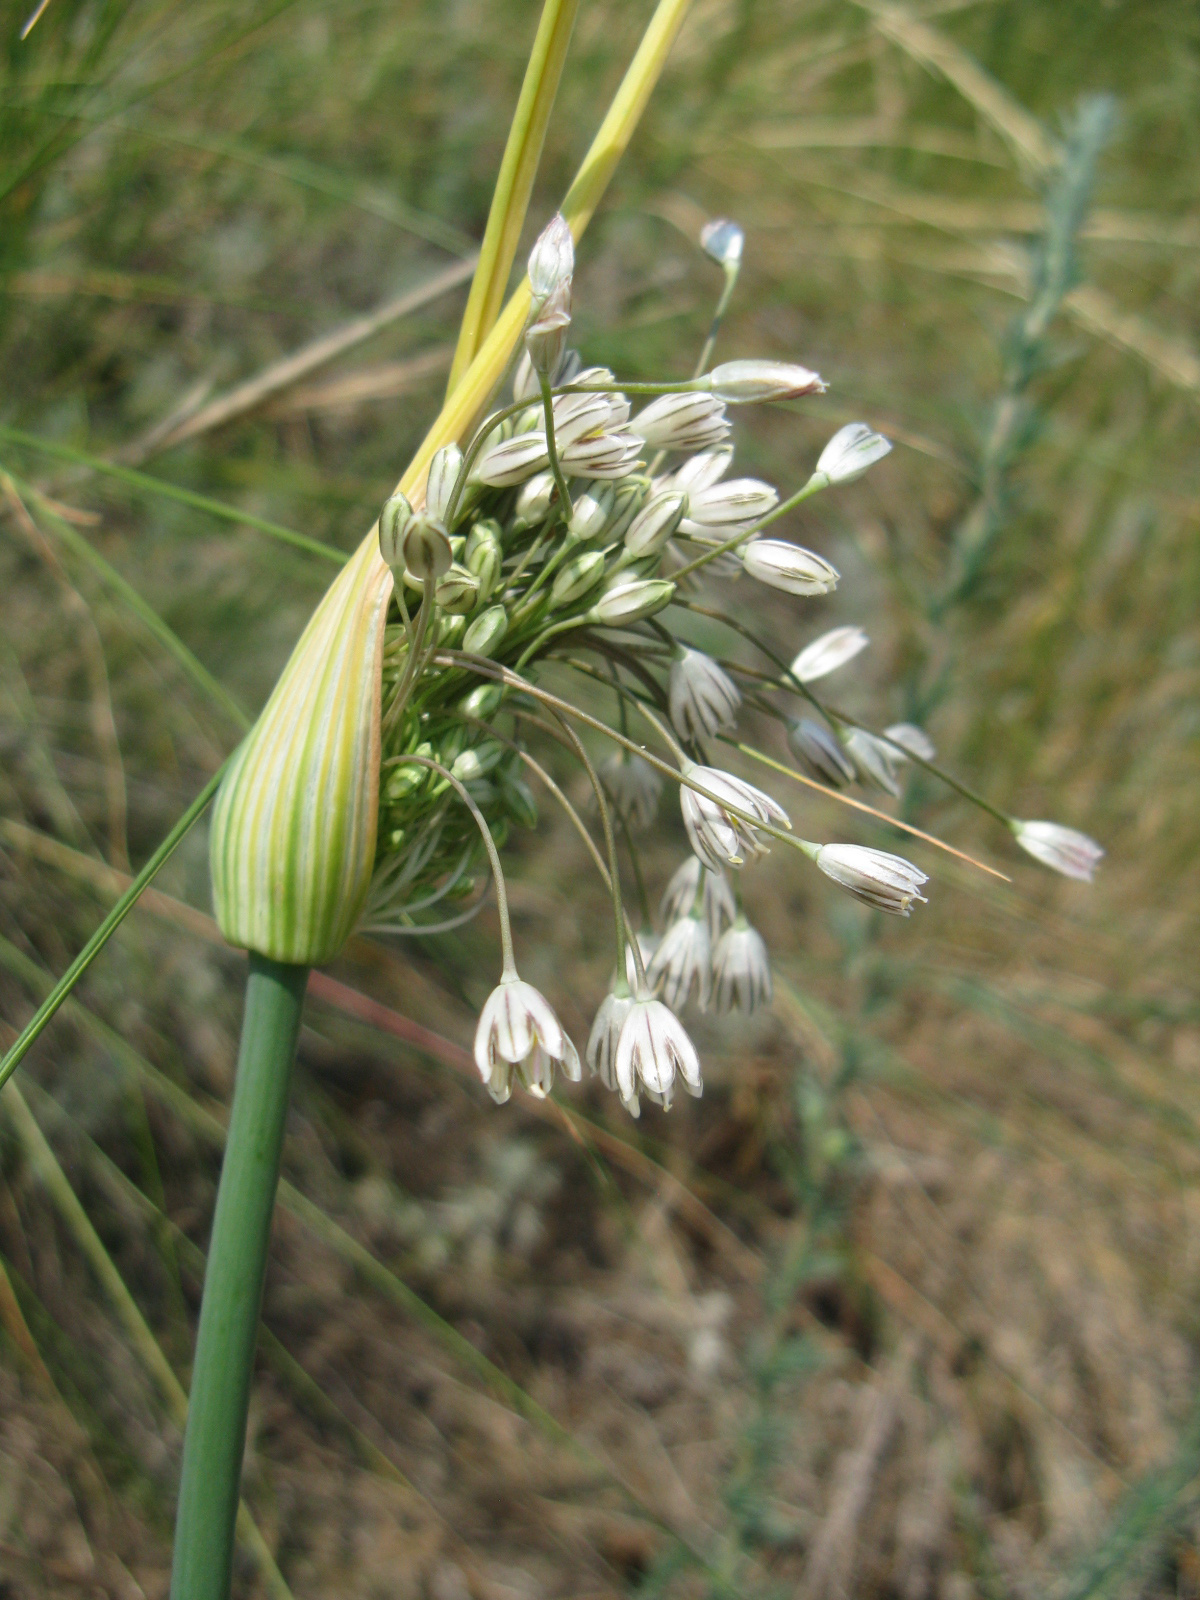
233 1284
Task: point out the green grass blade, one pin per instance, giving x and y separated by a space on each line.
142 609
170 491
37 1024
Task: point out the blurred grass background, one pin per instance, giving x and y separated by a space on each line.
907 1305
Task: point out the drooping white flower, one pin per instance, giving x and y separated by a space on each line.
1064 849
874 761
913 741
789 567
816 748
552 259
601 1053
692 420
653 1049
887 882
518 1028
717 836
725 507
740 382
634 788
741 969
682 962
826 654
723 241
850 452
692 880
703 698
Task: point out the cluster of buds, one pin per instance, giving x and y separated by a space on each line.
573 533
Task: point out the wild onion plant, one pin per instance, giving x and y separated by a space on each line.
566 532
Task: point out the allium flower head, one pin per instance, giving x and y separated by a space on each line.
850 452
826 654
703 698
789 567
518 1028
741 970
718 836
653 1049
887 882
1064 849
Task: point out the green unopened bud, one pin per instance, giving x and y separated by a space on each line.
485 633
457 591
393 525
443 475
533 502
630 498
592 510
655 524
577 577
426 547
478 761
484 555
518 801
630 602
450 629
483 700
405 779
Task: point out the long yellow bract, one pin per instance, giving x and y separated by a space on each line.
293 838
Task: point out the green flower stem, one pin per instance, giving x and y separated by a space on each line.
233 1285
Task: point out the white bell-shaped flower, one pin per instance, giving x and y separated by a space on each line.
741 970
703 698
518 1028
1064 849
717 835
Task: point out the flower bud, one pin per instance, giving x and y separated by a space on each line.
485 633
913 741
393 525
483 700
742 382
722 241
443 475
426 548
630 602
725 507
477 762
692 420
702 471
826 654
512 461
591 511
1066 850
552 259
458 591
876 877
628 501
577 577
850 452
484 554
655 524
602 455
533 502
789 567
546 337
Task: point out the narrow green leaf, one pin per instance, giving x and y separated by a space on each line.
34 1028
171 491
